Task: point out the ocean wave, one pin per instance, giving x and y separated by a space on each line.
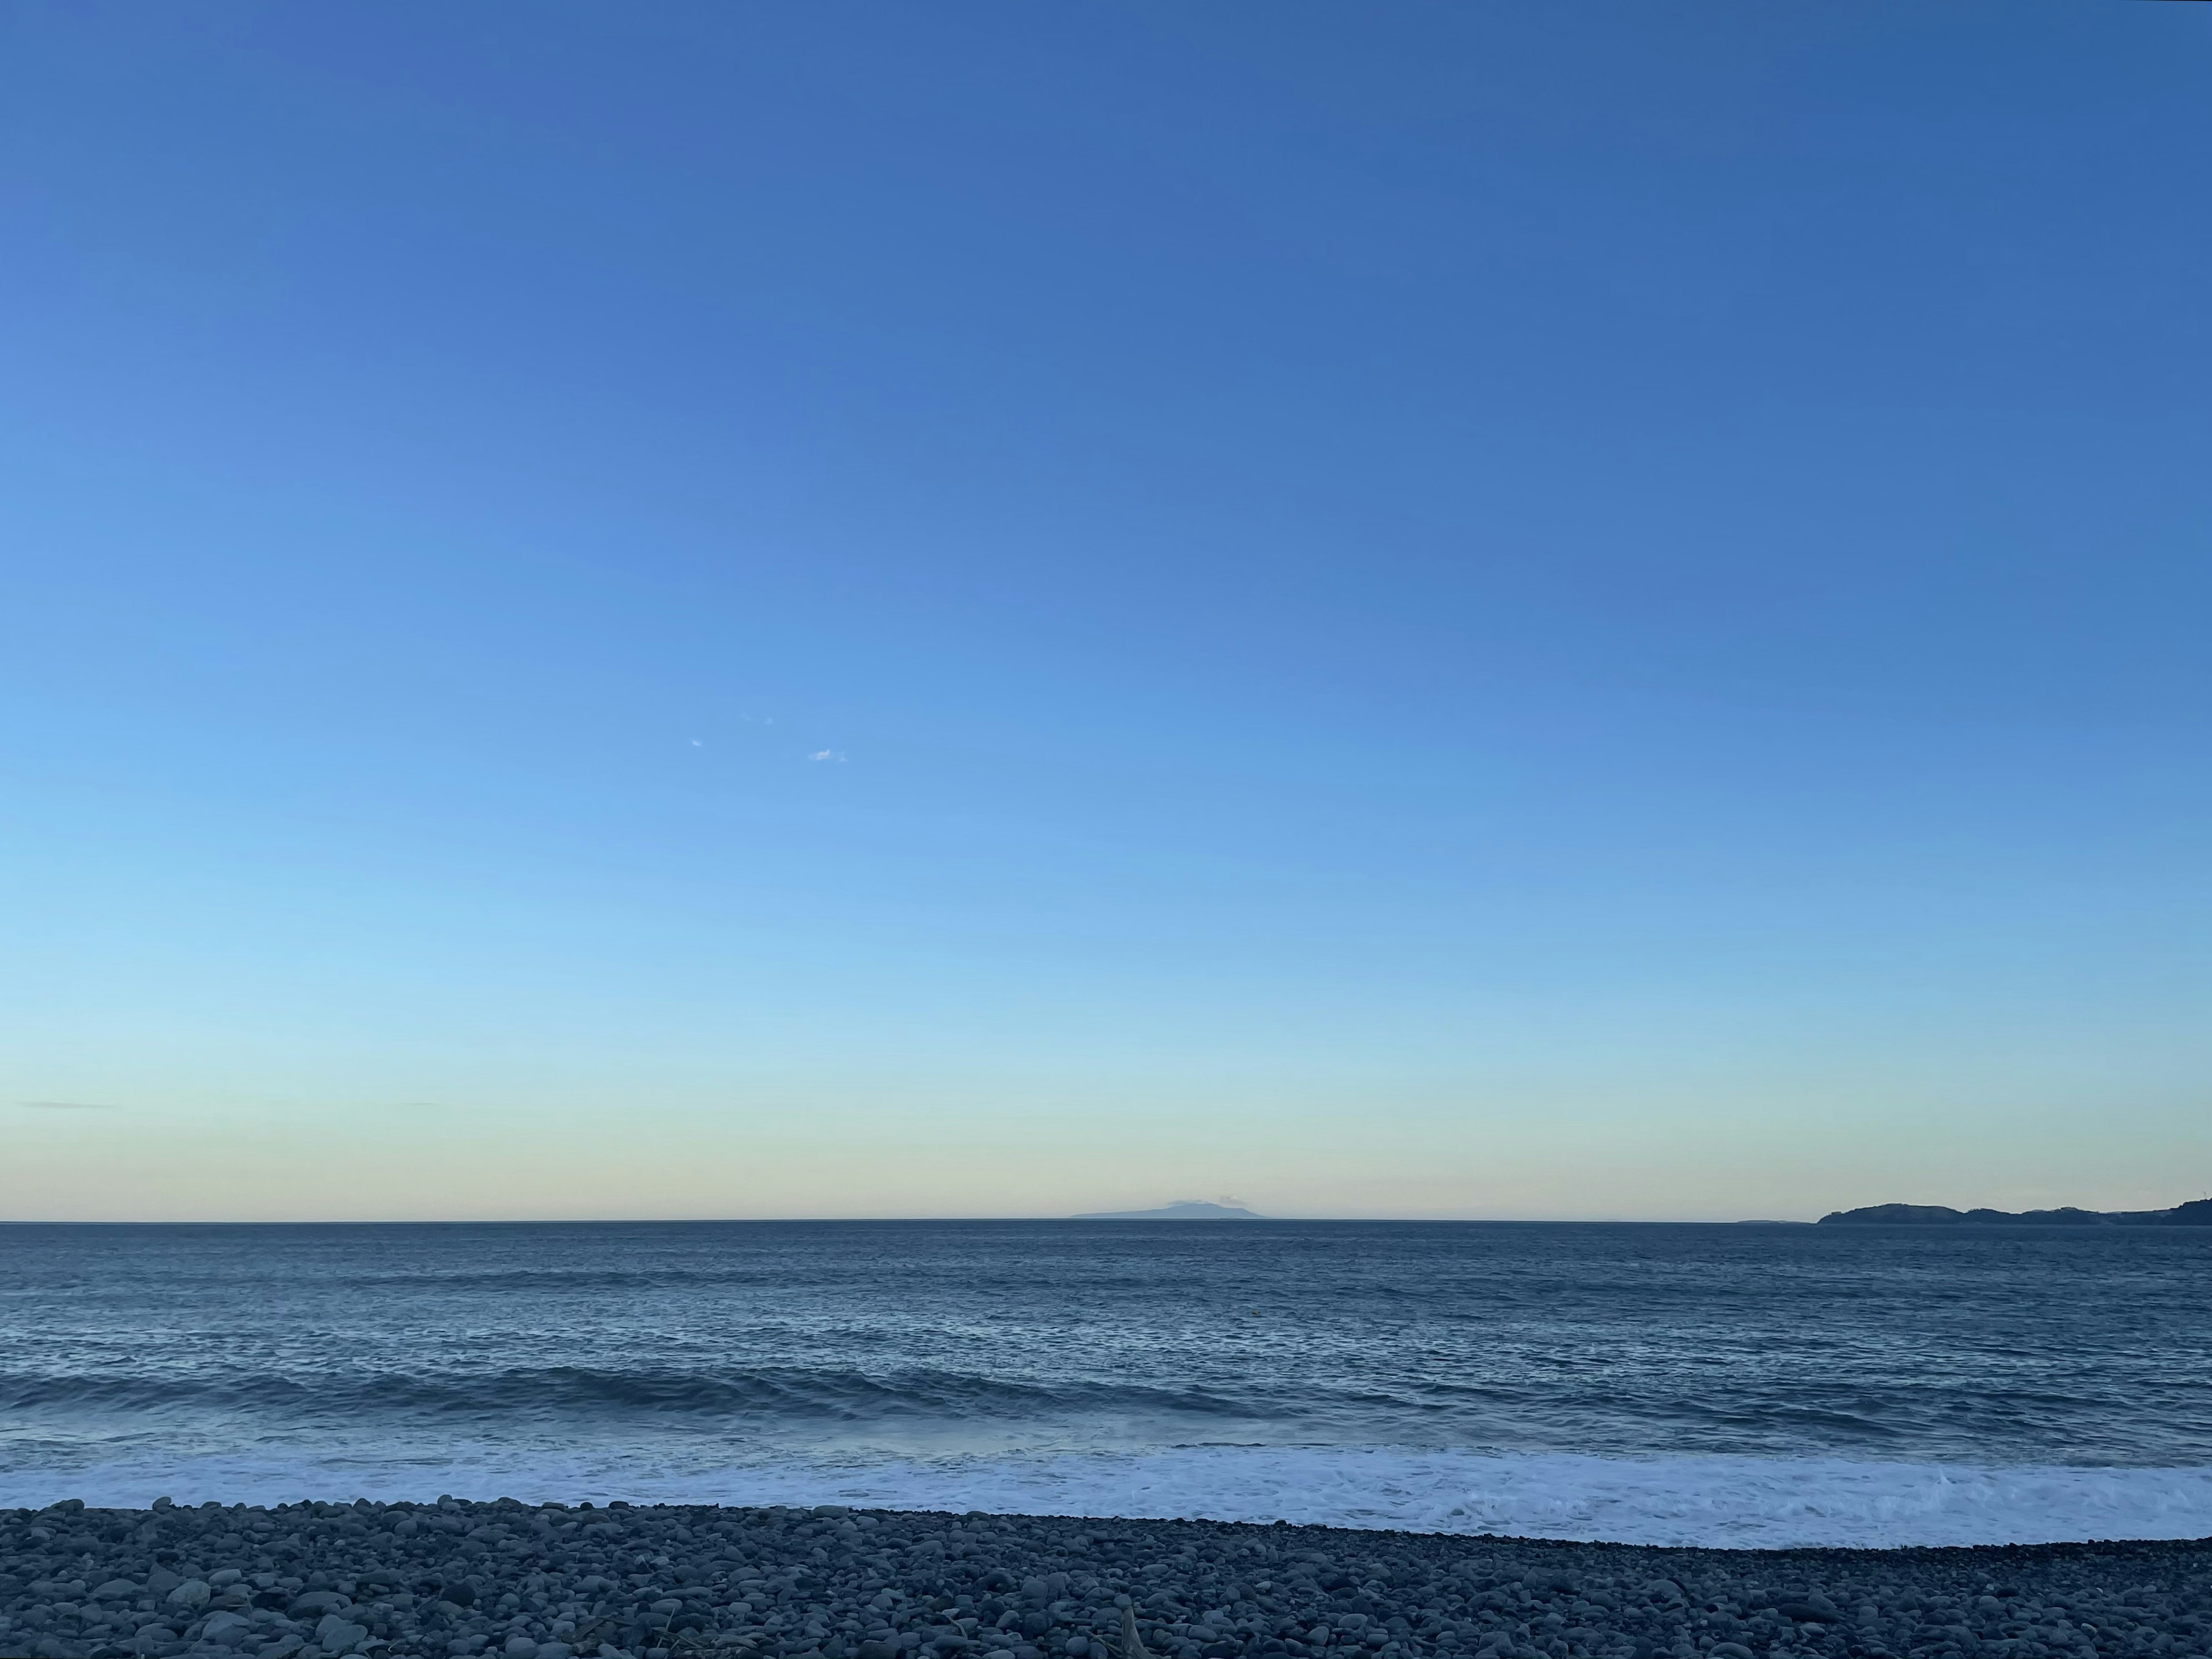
778 1394
1715 1502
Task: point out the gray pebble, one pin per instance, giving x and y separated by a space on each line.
510 1581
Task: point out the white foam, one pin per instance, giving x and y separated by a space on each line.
1732 1501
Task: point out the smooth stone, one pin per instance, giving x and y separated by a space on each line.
783 1584
336 1633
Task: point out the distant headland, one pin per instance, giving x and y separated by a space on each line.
1183 1209
2198 1212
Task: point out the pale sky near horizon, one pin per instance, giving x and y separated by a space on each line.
1445 610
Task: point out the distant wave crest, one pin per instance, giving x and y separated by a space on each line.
576 1393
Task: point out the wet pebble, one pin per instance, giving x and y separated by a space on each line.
507 1580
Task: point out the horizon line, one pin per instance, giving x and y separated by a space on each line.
897 1221
891 1220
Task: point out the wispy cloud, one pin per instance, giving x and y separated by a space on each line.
835 756
69 1106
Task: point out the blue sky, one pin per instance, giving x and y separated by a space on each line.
1496 609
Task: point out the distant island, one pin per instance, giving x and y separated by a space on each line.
2198 1212
1184 1209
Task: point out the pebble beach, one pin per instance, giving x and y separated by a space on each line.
313 1580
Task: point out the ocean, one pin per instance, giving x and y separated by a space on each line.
1730 1385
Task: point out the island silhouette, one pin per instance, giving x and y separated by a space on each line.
2198 1212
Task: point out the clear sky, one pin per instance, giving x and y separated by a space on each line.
1497 608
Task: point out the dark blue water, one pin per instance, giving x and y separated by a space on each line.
653 1357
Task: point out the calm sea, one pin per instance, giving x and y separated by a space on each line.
1745 1384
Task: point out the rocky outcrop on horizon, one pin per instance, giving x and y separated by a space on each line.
2198 1212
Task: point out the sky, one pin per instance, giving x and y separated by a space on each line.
1454 610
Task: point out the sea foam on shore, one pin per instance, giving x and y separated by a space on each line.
1713 1502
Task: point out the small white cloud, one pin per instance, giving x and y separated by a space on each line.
835 756
696 744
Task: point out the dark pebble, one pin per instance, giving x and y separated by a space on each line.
514 1581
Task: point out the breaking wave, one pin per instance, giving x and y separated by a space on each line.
1714 1502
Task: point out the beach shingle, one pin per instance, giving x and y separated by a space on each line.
456 1580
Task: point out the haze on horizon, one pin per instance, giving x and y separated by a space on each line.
863 610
